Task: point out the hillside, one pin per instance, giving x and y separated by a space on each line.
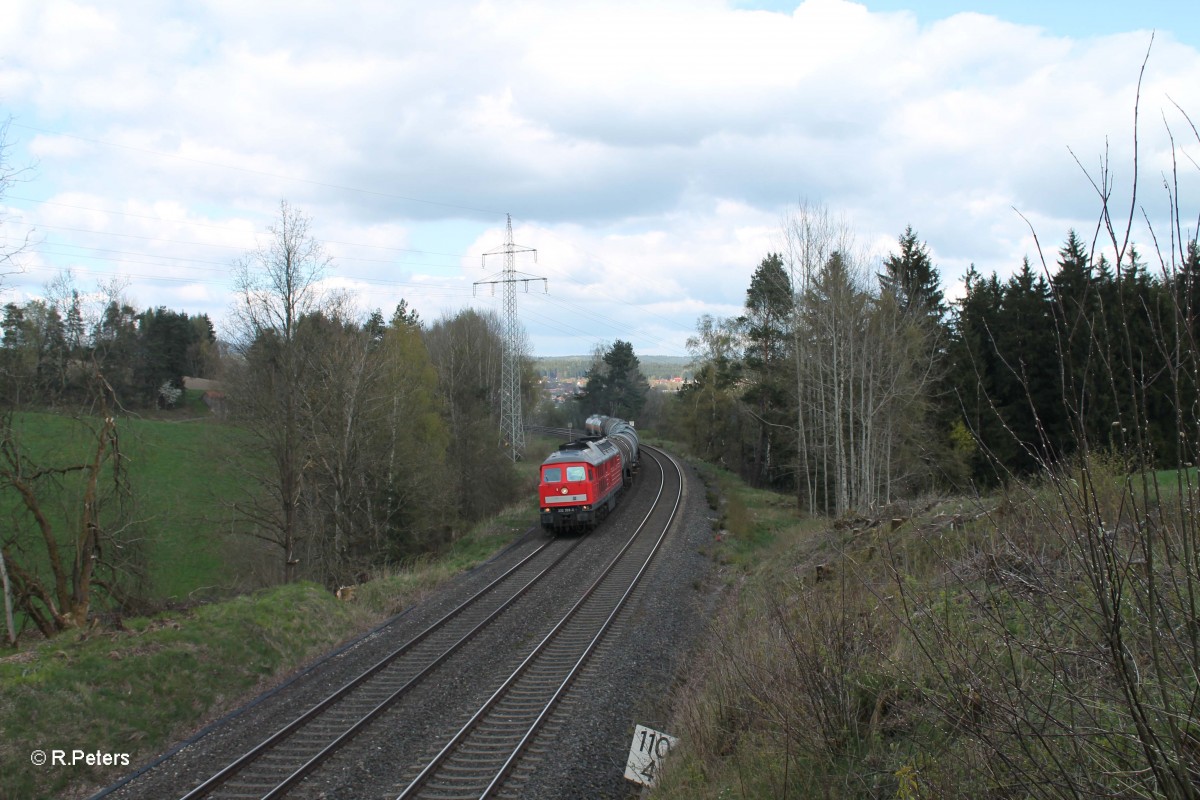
951 647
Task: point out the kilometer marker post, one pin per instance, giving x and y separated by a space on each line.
646 754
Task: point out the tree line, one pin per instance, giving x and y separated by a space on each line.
1040 639
377 438
852 388
363 441
49 348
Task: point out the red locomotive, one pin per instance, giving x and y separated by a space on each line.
580 482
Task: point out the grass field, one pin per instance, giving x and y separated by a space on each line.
179 469
139 686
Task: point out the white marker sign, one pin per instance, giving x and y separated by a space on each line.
646 754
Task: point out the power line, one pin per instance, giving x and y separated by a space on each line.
509 282
413 289
171 260
565 329
427 289
53 249
617 325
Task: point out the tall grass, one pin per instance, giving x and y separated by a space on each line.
1014 646
132 690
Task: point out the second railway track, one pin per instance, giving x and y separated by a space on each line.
479 759
278 762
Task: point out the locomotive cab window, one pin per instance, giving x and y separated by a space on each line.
552 475
575 473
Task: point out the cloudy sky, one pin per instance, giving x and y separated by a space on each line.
649 151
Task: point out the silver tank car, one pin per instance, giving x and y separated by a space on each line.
622 434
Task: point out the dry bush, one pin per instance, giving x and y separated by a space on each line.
1062 641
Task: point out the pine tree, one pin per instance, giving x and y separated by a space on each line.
1028 384
164 339
374 327
616 386
911 277
769 307
1079 322
1184 333
913 284
975 369
405 315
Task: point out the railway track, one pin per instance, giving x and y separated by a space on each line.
281 760
481 759
492 752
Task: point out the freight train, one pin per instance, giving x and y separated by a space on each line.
580 482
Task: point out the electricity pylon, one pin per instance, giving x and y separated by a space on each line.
512 422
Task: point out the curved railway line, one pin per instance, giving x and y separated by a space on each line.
281 760
483 754
485 757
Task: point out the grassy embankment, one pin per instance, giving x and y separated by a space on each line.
137 688
956 648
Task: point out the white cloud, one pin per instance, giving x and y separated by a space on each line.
647 149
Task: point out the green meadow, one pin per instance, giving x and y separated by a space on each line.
181 469
139 685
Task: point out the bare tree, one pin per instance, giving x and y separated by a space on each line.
9 625
277 285
810 236
375 442
74 550
1074 639
862 371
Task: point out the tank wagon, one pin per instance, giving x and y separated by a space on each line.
581 481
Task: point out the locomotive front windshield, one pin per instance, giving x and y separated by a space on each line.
552 475
576 474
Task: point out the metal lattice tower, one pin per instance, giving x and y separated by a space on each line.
512 421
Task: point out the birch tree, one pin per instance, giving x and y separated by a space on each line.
864 374
376 444
810 235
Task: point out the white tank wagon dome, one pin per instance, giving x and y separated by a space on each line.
623 433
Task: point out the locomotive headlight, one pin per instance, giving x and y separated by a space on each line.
563 490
